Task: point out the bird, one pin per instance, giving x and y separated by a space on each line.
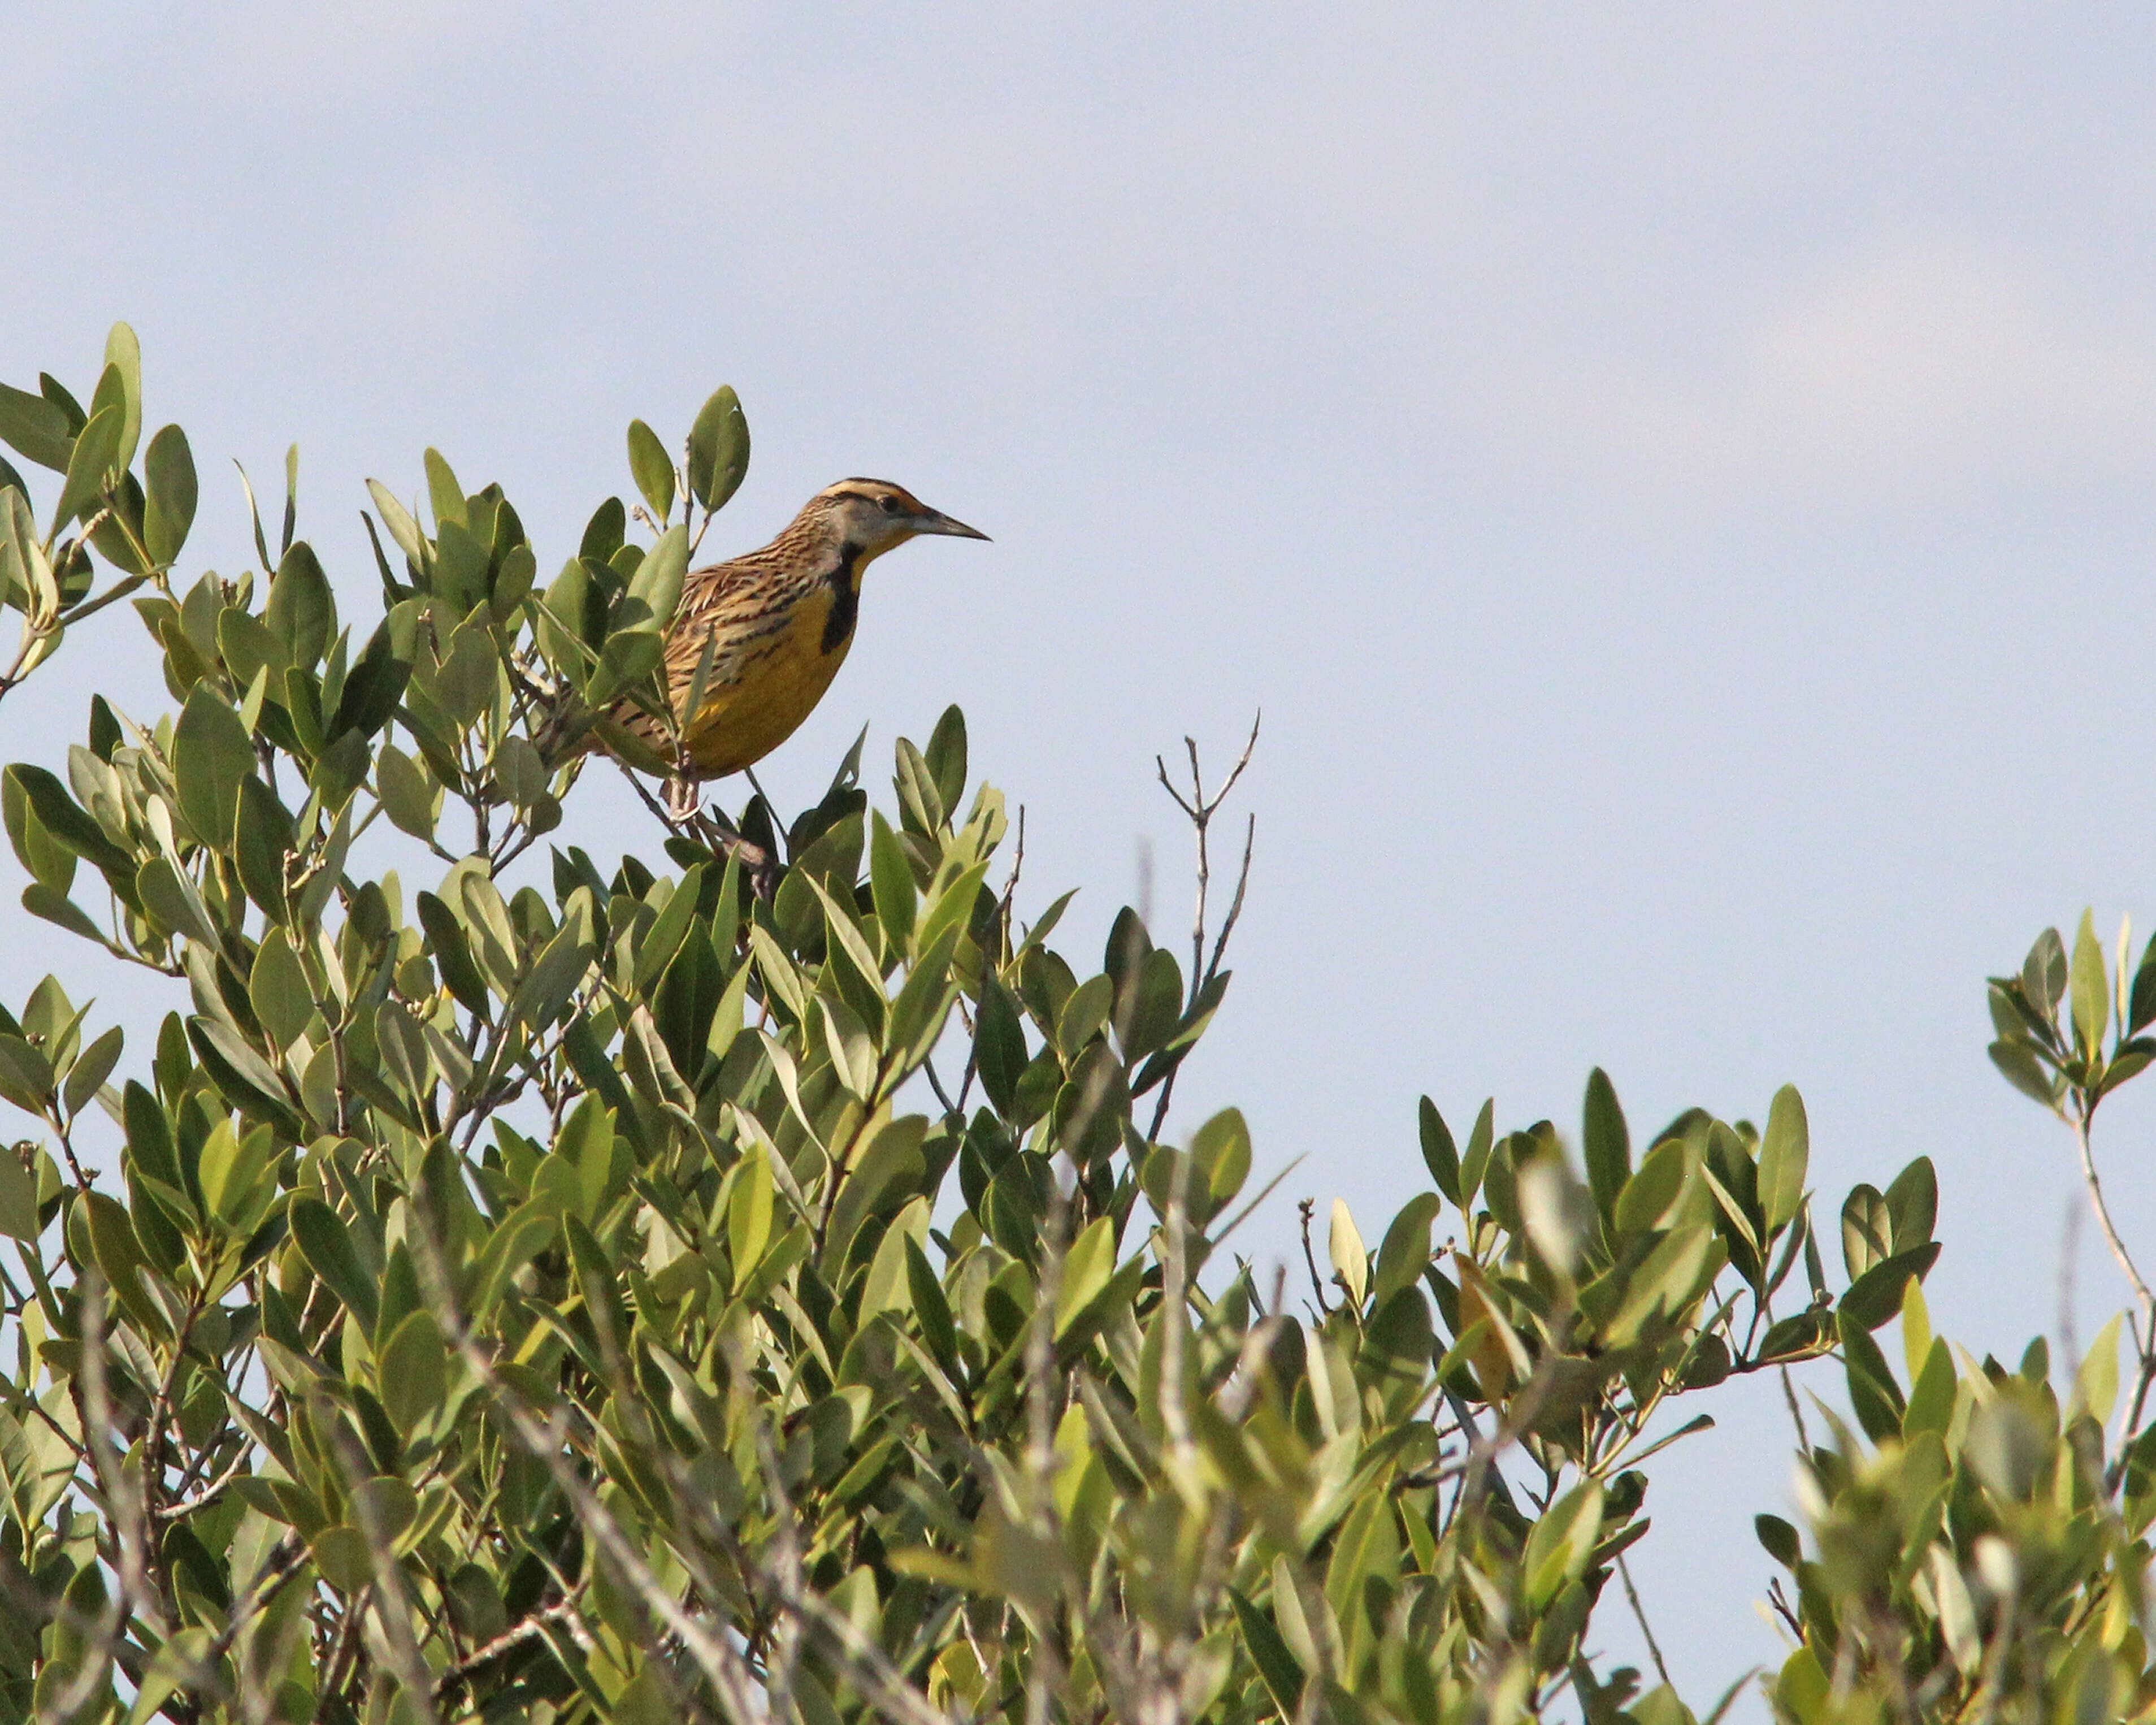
777 624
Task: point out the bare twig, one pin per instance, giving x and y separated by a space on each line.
564 1614
1304 1207
2147 1300
1198 808
208 1494
1640 1615
1796 1413
2142 1322
713 1652
391 1601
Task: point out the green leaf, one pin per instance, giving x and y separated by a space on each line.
1655 1186
2091 990
999 1045
412 1369
278 989
326 1244
937 1327
291 497
248 647
1221 1149
171 900
118 1254
1283 1675
887 1286
921 803
410 801
1931 1395
242 1076
527 1232
629 657
403 527
657 583
1405 1252
121 385
1784 1158
1876 1295
93 467
945 757
233 1168
1562 1543
652 468
302 611
170 493
50 905
954 907
445 496
1439 1152
470 672
36 428
262 840
91 1068
49 863
31 583
1913 1204
748 1216
1671 1276
2141 1009
1475 1159
1088 1266
890 879
211 755
1867 1230
1605 1143
342 1555
1149 1015
1873 1394
65 822
1779 1540
2044 971
2021 1069
718 449
18 1196
373 687
2096 1386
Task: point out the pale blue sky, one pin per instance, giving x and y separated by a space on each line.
1677 480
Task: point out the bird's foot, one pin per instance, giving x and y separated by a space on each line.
683 800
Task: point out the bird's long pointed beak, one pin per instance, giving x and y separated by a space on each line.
936 521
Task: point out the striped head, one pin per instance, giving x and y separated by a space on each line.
875 515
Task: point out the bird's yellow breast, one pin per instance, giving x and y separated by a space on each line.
783 674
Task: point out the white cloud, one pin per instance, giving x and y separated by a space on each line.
1924 373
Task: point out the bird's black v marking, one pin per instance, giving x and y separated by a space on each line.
845 599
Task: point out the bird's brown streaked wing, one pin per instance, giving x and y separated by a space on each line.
740 602
743 602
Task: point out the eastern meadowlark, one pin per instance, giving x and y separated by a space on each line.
777 622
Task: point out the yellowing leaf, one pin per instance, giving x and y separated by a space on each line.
1351 1260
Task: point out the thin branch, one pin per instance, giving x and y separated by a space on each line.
1796 1413
565 1614
1304 1207
1640 1615
188 1506
1198 808
2080 1123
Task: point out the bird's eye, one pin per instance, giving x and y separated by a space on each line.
888 506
